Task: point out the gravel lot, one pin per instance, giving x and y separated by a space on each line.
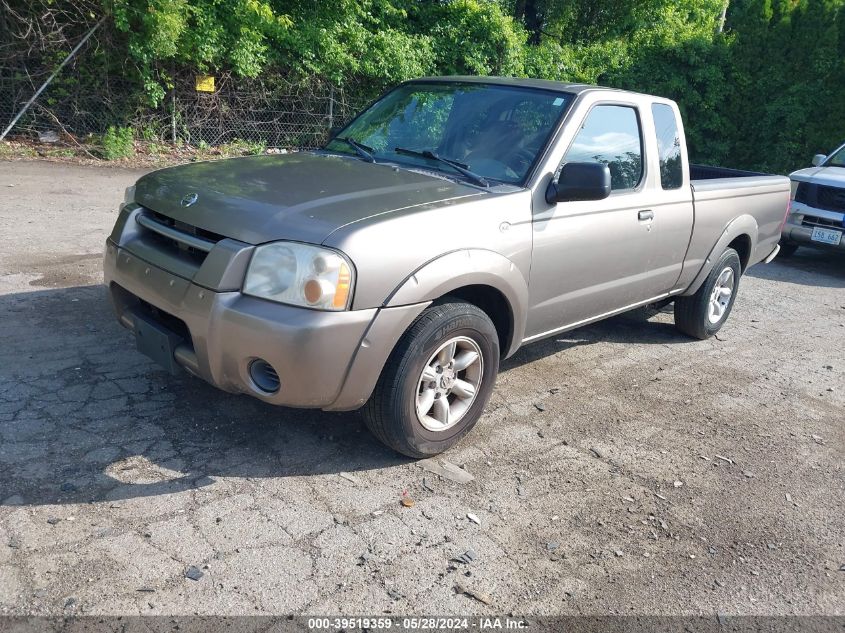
620 468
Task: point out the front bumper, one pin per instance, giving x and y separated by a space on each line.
312 352
798 228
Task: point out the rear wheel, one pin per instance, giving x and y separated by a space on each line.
704 313
436 382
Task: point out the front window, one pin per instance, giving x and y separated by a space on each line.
611 135
837 159
496 132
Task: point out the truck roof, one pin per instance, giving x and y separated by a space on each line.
522 82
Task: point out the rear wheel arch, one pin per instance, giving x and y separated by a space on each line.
742 231
703 314
742 245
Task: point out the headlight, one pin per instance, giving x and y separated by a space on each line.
301 275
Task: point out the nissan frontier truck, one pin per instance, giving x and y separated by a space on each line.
450 223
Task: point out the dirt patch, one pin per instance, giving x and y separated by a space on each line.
61 272
146 155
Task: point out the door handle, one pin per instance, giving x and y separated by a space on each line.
645 215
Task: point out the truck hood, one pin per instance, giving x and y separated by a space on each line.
302 196
830 176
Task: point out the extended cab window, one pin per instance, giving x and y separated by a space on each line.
668 146
611 135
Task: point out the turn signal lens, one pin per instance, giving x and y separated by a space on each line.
341 293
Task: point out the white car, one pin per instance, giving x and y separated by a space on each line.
817 210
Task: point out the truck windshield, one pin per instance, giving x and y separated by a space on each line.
837 160
496 132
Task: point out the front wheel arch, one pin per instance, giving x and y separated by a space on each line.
493 303
481 277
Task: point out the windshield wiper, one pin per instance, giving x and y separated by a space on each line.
363 151
460 167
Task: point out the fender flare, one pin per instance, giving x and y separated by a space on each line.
468 267
743 225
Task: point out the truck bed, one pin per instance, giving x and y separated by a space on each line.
722 196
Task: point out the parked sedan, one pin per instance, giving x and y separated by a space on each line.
817 211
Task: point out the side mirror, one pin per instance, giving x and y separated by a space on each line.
334 131
580 181
818 159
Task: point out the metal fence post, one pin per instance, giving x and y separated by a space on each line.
173 114
51 77
331 106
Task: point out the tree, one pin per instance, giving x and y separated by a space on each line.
789 65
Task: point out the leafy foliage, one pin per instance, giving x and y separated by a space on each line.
118 142
472 37
235 34
765 93
788 69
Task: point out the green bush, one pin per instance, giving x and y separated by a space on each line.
765 92
241 147
118 142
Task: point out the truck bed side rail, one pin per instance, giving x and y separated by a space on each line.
708 172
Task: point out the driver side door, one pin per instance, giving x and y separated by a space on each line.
591 258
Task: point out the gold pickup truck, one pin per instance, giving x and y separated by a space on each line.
453 221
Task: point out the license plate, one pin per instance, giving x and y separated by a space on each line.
826 236
157 342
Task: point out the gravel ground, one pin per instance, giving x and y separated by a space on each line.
620 468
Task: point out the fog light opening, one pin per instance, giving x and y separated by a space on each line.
264 376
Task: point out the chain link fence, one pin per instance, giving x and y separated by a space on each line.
277 110
95 91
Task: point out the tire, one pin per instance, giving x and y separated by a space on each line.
696 315
787 249
391 413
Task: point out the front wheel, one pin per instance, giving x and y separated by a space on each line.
704 313
436 381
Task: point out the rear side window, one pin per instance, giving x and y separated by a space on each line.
668 146
611 135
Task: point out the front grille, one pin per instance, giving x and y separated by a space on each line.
187 228
830 198
802 192
812 220
821 196
177 237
